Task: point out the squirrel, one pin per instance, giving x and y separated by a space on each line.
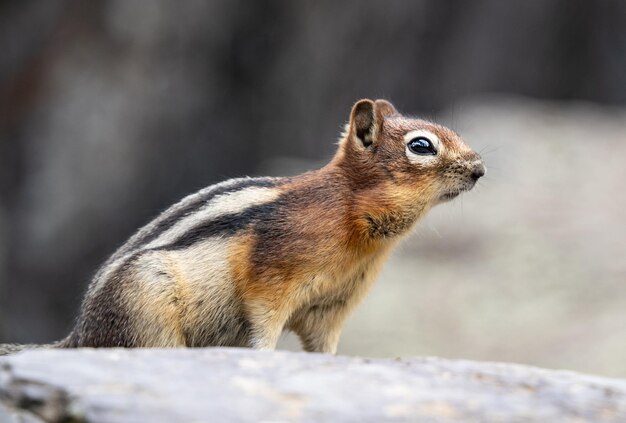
238 262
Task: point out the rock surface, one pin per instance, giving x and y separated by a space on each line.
210 385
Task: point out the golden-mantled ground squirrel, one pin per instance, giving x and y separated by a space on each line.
238 262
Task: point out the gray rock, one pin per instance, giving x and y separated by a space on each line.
211 385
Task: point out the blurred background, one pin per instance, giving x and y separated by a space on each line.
110 111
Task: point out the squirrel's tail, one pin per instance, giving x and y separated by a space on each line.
6 349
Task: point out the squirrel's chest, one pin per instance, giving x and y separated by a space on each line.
340 281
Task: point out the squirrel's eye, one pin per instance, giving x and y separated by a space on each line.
422 146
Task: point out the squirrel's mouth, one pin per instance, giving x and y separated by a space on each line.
450 195
453 193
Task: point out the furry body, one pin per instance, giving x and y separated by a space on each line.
238 262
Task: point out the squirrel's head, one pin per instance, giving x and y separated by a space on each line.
415 160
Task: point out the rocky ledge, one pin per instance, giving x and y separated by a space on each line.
224 385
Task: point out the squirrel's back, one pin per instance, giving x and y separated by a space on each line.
192 236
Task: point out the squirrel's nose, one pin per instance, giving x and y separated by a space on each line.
478 171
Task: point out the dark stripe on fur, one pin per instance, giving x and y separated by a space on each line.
227 224
270 220
169 221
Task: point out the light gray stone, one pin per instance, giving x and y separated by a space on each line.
238 385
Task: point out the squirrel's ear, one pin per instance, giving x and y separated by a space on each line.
385 108
367 118
363 121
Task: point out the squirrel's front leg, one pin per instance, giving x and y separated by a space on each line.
319 327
